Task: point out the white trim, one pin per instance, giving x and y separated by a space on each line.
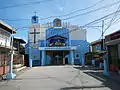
57 48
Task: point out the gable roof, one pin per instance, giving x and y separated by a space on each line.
19 39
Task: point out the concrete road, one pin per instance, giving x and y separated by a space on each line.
55 78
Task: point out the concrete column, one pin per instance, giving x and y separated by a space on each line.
83 59
72 57
30 60
43 58
63 58
105 65
11 75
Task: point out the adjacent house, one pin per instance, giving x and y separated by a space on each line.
19 51
96 52
5 34
18 44
112 42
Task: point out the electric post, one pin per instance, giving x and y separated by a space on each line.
11 75
104 55
102 46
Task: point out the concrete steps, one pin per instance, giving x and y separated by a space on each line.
19 67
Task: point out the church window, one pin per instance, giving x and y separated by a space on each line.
77 55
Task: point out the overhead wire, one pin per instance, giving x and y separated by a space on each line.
97 20
86 25
112 20
91 11
73 12
88 12
25 4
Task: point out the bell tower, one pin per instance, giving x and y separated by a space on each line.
35 19
57 22
34 31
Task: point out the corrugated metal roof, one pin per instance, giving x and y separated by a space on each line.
8 27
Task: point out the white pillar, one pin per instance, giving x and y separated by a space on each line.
72 57
11 75
63 58
106 65
30 60
83 60
43 58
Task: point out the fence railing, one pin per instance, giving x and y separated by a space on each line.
18 59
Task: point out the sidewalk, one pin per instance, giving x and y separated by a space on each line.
17 74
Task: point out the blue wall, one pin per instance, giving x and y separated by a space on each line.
82 48
61 32
35 56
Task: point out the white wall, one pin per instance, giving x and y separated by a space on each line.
77 33
4 38
31 30
43 30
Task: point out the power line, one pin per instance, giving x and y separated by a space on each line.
91 23
102 18
61 15
91 11
86 25
19 5
112 20
74 11
114 17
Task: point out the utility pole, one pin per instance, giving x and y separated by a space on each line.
105 55
102 45
11 75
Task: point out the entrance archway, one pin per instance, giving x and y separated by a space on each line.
57 57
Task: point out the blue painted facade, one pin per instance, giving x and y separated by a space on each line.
78 54
57 48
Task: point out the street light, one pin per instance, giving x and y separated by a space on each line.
11 75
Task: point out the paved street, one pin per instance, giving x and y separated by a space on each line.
58 78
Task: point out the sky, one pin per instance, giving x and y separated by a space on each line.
58 8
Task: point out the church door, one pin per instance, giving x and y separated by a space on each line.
66 60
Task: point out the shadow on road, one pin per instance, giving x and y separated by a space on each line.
98 74
83 87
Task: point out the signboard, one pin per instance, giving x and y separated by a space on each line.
57 48
98 47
